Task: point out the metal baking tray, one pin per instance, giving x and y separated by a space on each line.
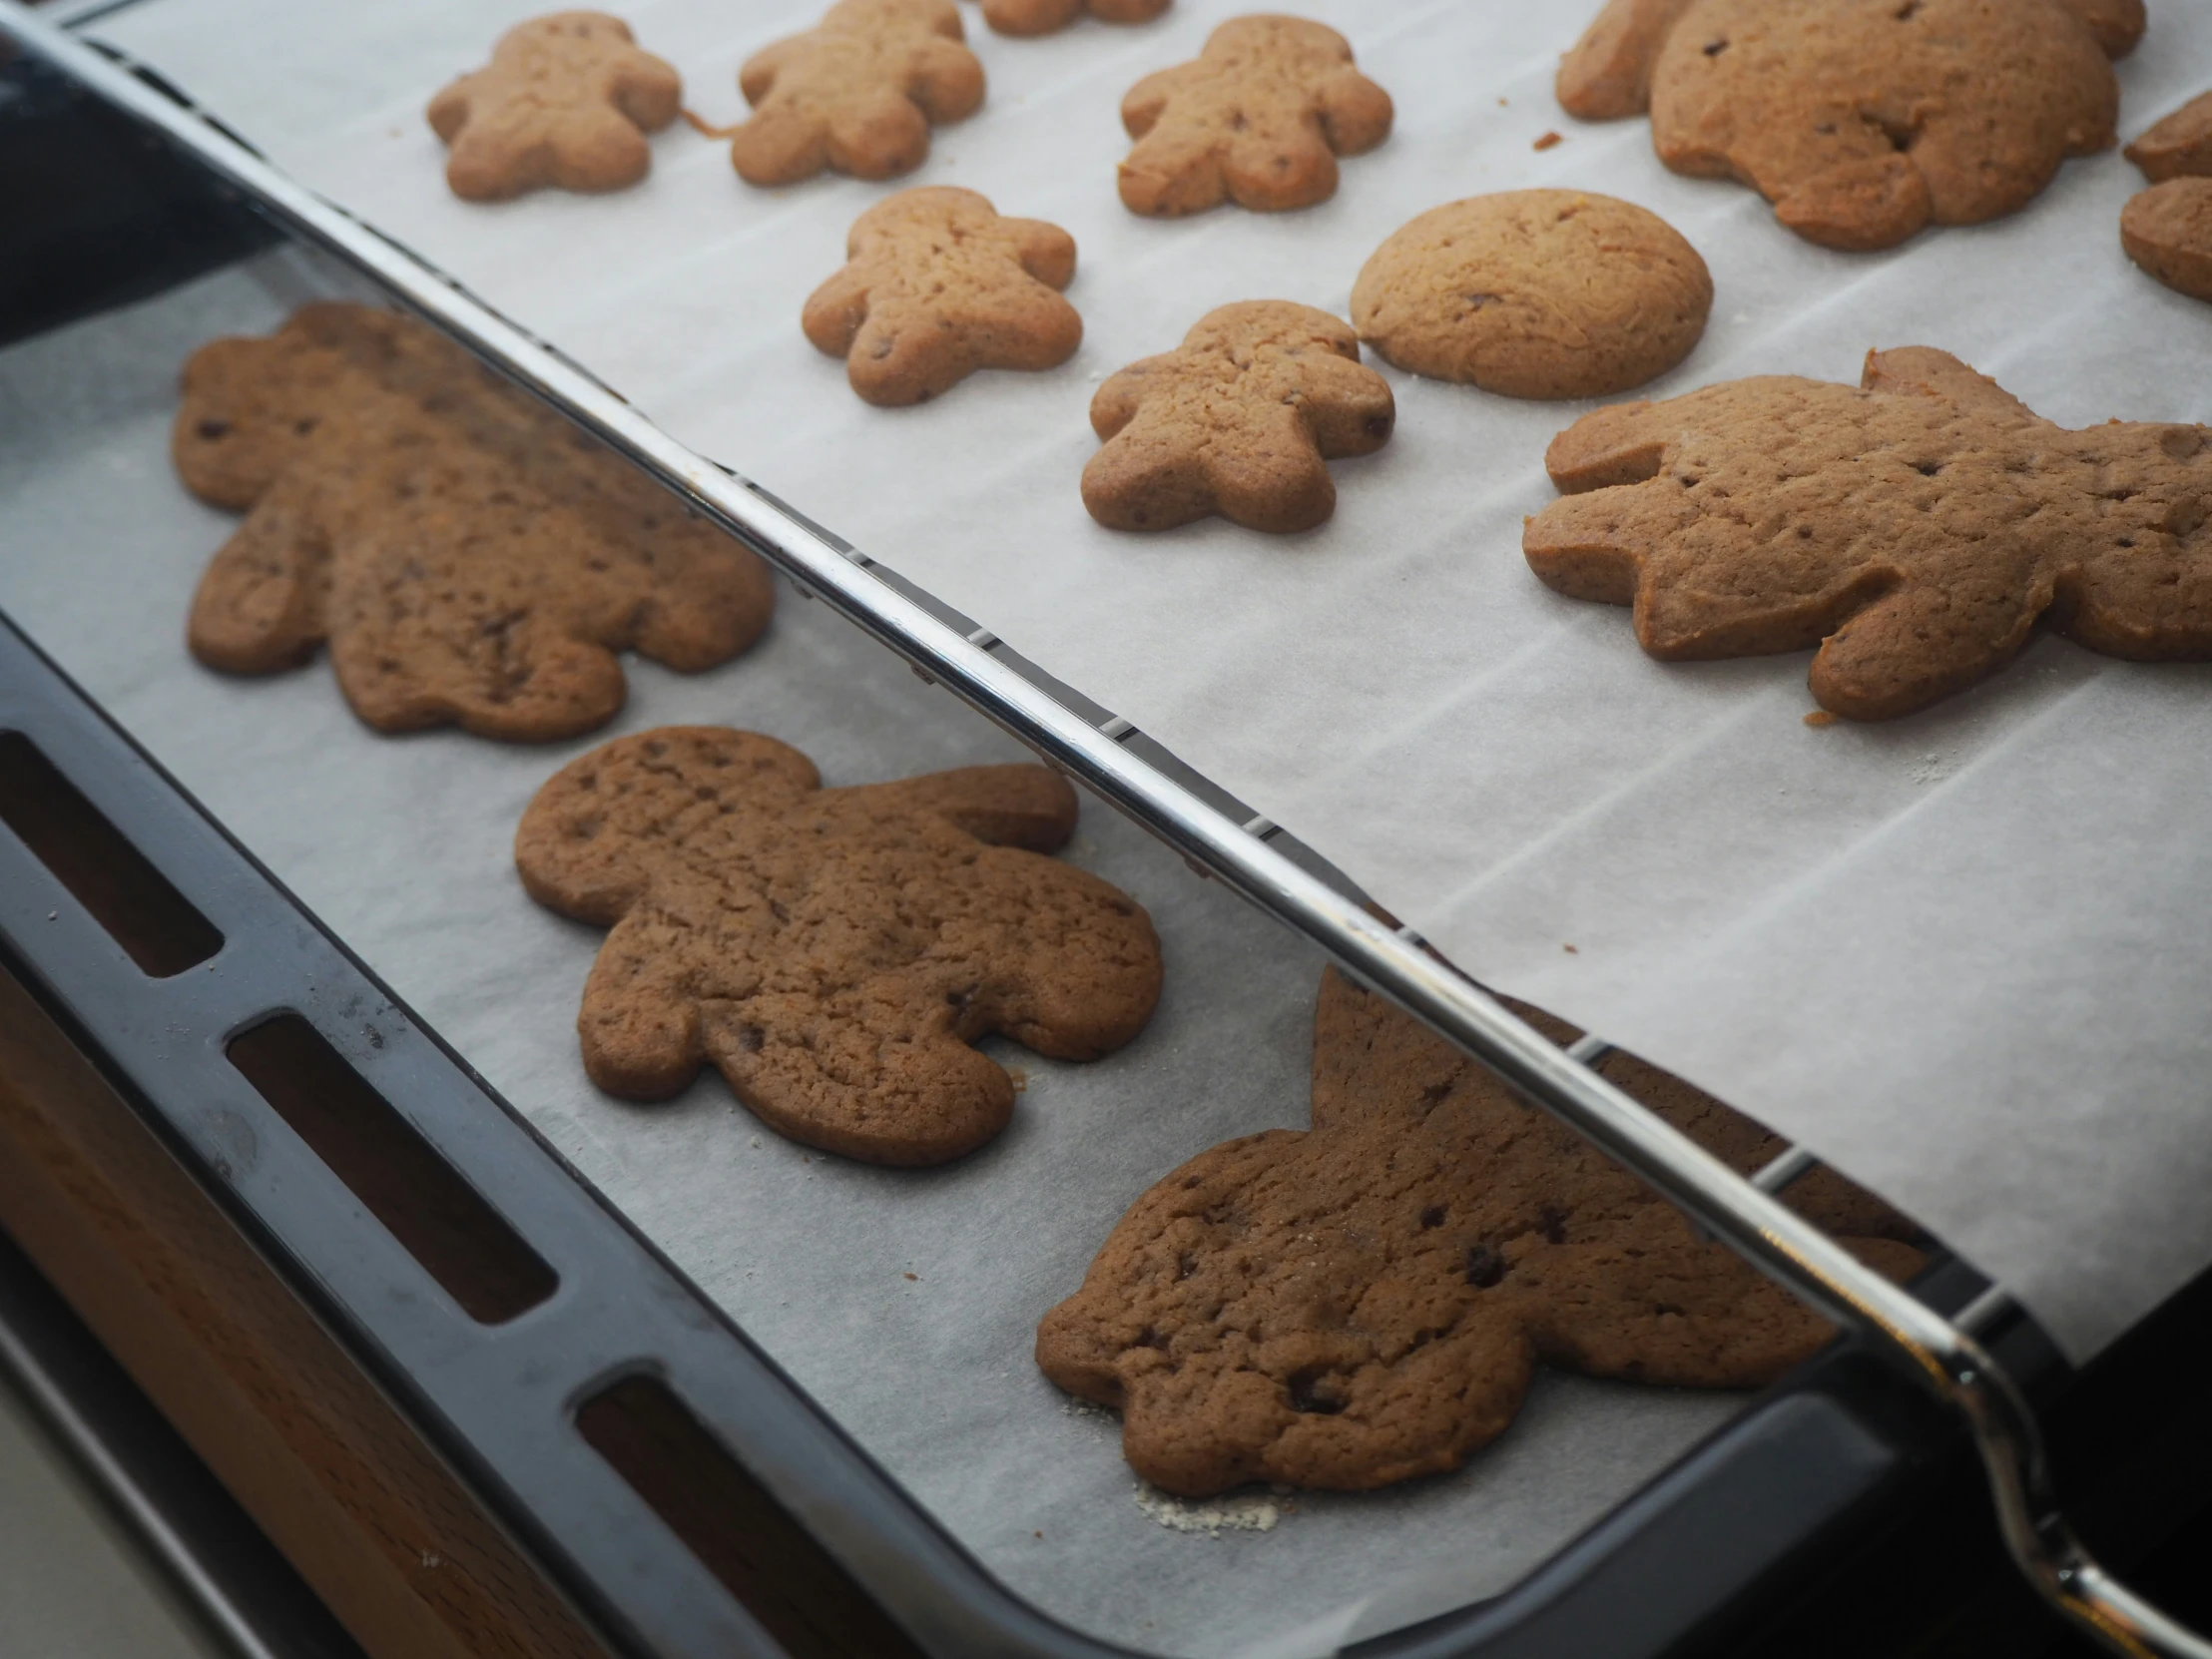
590 1344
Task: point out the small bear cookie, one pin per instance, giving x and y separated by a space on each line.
2167 229
1367 1300
857 93
1239 420
833 952
1535 294
566 101
1862 120
938 286
1045 17
1915 528
1259 118
2177 146
470 557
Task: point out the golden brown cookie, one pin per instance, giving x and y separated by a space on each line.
938 286
1915 528
1864 120
1366 1301
1257 118
1607 73
566 100
2178 144
1239 420
470 557
1535 294
857 93
833 952
1044 17
2167 229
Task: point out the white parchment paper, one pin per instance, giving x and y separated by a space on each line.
1964 954
906 1302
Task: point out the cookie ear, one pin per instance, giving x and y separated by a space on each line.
1029 806
578 847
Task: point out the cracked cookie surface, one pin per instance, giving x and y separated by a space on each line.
469 557
1535 294
1257 118
857 93
833 952
1241 420
566 101
938 285
1366 1301
1915 528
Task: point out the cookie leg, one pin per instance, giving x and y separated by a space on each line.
1030 17
600 151
260 606
1151 476
1270 476
1858 206
880 136
1279 171
780 145
1922 644
1172 171
901 358
639 1025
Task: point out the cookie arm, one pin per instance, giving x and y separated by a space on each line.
1356 113
836 310
639 1026
258 607
448 110
647 88
1349 407
1006 806
1924 371
1142 104
1076 972
946 80
1606 75
1047 252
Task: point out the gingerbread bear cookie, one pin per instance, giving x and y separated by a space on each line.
2178 144
1365 1300
857 93
1044 17
1240 420
833 952
1860 120
566 100
2167 229
1259 118
1915 528
938 286
1535 294
469 556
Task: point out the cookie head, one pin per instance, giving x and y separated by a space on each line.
1240 420
1045 17
2167 229
1913 528
1364 1301
835 953
857 93
1259 118
938 286
566 101
1535 294
468 557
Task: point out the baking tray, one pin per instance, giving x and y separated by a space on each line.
1831 1471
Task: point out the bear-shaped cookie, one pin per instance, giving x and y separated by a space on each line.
470 557
1915 528
1257 118
937 285
856 93
833 952
1366 1301
566 100
1241 419
1862 121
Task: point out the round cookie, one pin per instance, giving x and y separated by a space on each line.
1535 294
2167 229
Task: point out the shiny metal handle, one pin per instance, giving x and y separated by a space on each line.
1942 1358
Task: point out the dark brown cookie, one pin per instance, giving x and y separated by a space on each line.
1535 294
833 952
566 100
2178 144
1044 17
1915 528
2167 229
857 93
1239 420
1864 120
470 557
1257 118
1366 1301
938 286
